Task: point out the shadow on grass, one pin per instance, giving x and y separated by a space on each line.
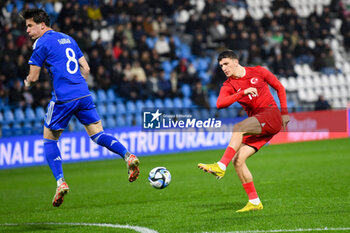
212 207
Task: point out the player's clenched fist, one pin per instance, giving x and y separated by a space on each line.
251 91
26 83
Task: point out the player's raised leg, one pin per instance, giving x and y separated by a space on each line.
249 126
54 159
96 133
246 178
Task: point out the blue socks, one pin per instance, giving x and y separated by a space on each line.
53 154
53 157
110 142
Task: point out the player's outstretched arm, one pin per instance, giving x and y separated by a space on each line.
227 97
84 67
277 85
281 92
33 76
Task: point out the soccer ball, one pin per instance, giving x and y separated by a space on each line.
159 177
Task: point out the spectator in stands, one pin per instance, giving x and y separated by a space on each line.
129 89
322 104
139 73
83 40
138 33
174 83
22 67
16 98
159 26
152 85
142 45
200 95
254 55
108 57
164 85
217 31
108 12
15 17
95 61
288 65
45 92
162 47
125 58
117 50
3 89
277 65
117 74
172 53
11 51
147 25
94 12
302 53
347 41
218 78
128 35
198 45
103 79
8 68
145 58
325 62
243 45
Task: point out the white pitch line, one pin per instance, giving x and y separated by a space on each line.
292 230
135 228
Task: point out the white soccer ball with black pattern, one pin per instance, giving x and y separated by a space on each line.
159 177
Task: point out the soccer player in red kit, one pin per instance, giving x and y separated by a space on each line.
250 87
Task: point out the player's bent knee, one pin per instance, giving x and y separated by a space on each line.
238 161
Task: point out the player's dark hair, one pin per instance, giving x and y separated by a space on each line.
227 54
38 16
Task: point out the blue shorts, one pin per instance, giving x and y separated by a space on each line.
59 114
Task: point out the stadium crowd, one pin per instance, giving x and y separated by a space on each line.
148 34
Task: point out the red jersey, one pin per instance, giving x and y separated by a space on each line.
258 77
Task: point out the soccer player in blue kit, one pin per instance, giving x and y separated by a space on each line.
68 70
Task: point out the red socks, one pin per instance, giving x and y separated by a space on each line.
250 190
228 156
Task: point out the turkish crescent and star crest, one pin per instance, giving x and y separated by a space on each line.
254 80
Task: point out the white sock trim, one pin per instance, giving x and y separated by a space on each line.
222 166
255 201
60 181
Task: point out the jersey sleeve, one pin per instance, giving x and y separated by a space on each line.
227 96
39 54
277 85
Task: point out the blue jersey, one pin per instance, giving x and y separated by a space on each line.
60 54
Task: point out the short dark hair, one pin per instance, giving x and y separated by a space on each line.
38 16
227 54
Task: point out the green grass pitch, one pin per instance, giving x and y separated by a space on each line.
302 185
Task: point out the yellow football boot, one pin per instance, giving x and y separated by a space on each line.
212 169
250 207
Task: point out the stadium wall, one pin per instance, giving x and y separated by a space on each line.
28 150
74 147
